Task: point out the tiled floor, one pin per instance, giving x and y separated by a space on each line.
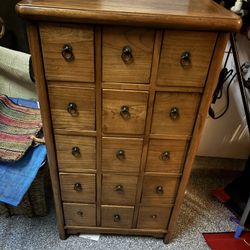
200 213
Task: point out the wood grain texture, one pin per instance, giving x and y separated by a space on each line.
200 45
183 14
77 214
202 115
84 98
176 150
41 88
131 160
154 217
141 42
67 162
81 38
187 104
149 194
124 214
87 194
124 197
113 122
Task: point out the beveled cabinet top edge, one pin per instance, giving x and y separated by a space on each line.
181 14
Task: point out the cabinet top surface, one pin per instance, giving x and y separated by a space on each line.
181 14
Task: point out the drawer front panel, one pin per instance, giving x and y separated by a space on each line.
78 187
68 52
124 112
121 154
153 217
159 189
127 54
175 113
185 58
166 156
117 216
119 189
79 214
75 153
72 108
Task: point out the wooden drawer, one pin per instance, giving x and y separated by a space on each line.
159 189
127 54
121 154
117 216
153 217
185 58
124 112
166 155
72 108
119 189
75 153
175 113
78 187
68 52
76 214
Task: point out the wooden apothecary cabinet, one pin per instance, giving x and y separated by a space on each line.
124 88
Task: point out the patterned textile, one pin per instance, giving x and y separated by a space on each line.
18 126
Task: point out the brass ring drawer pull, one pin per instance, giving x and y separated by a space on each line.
80 213
124 112
159 190
185 59
76 151
165 156
67 52
78 187
72 108
120 154
119 188
117 218
127 56
174 113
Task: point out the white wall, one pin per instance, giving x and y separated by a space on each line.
228 136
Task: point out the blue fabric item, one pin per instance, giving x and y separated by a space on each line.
16 177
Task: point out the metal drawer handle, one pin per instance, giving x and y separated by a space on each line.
80 213
159 190
174 113
154 216
117 217
124 112
165 155
119 188
72 108
120 154
185 60
78 187
127 56
67 52
76 151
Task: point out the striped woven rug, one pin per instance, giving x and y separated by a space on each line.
18 125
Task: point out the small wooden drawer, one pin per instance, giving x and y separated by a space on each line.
153 217
124 112
121 154
76 214
175 113
117 216
166 155
72 108
119 189
75 153
127 54
68 52
185 58
159 189
78 187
